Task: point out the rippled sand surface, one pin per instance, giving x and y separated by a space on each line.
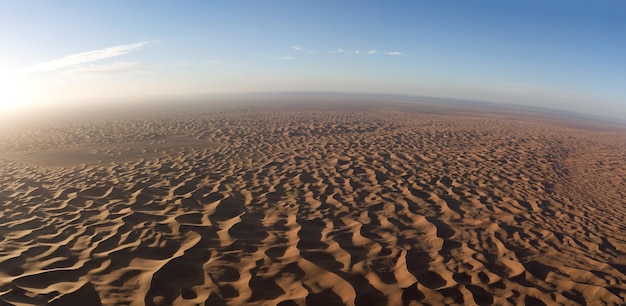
307 206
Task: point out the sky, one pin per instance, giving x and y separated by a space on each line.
568 55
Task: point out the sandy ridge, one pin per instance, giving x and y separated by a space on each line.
342 207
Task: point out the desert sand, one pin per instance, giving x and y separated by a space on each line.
314 205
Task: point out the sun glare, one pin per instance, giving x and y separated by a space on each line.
16 95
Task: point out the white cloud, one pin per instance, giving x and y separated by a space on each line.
342 51
81 58
112 67
353 52
182 64
394 53
211 62
285 58
301 49
358 52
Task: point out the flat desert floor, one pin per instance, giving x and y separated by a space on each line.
330 205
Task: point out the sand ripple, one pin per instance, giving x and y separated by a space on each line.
378 207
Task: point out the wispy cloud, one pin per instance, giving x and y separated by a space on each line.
342 51
351 52
301 49
182 64
358 52
394 53
81 58
212 61
285 58
112 67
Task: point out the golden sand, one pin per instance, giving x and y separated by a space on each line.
263 206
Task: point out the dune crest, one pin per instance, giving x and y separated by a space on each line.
370 206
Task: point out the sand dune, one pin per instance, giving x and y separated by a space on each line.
304 206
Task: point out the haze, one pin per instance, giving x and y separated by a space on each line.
564 55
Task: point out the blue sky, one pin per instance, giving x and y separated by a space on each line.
558 54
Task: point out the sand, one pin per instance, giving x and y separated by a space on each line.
333 205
